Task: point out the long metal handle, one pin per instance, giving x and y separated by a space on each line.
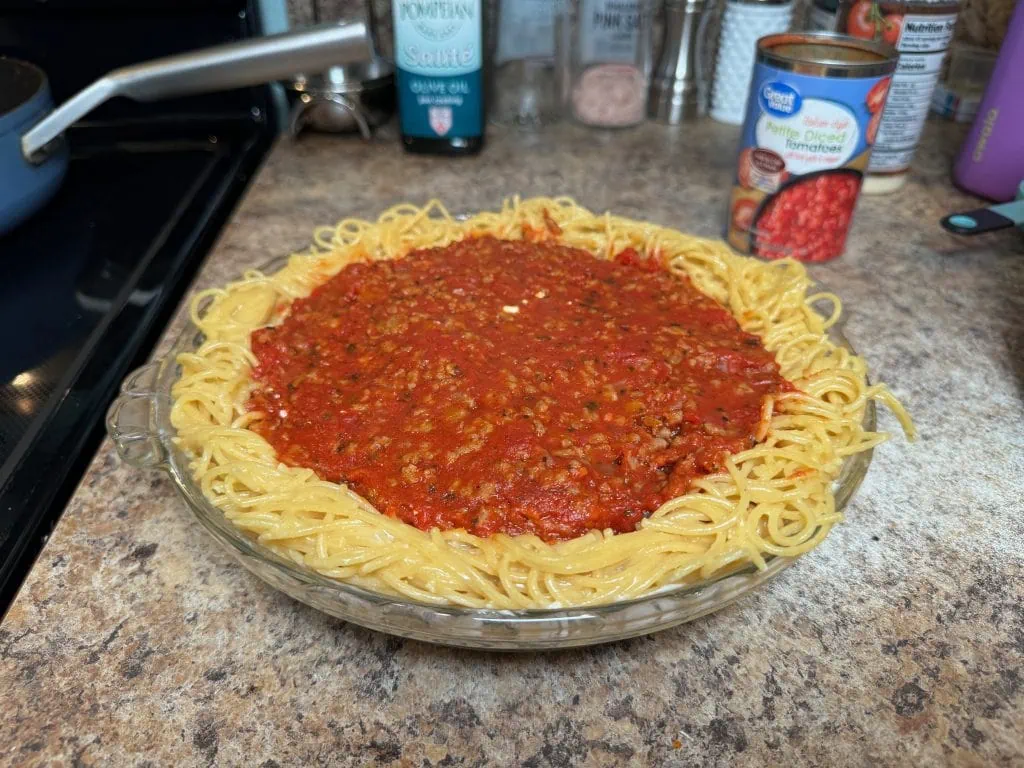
235 65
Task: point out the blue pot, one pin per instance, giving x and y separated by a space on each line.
25 186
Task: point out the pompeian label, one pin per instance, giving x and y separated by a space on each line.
438 57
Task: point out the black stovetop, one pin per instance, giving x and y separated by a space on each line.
89 282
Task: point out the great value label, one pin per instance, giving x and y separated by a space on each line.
798 129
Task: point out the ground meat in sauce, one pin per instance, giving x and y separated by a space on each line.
508 386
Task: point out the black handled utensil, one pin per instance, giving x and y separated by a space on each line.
989 219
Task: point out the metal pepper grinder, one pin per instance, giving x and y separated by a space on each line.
676 89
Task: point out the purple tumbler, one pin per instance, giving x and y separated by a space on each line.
991 161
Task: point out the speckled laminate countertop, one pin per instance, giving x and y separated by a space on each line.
137 641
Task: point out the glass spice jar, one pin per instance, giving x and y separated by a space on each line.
604 56
522 78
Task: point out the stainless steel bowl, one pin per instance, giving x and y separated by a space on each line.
355 97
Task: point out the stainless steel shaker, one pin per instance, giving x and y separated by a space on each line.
676 92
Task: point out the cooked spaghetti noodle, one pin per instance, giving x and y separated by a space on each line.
774 499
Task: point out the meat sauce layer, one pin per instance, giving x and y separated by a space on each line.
510 386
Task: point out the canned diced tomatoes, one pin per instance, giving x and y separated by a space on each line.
811 120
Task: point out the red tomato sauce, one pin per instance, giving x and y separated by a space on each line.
810 219
509 386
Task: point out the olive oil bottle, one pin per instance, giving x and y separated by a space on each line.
439 62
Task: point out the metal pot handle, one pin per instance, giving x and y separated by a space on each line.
235 65
131 420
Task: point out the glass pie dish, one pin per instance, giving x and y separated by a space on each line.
139 424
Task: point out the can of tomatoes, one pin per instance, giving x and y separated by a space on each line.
815 102
922 31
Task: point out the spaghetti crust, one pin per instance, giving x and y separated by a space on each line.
775 499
